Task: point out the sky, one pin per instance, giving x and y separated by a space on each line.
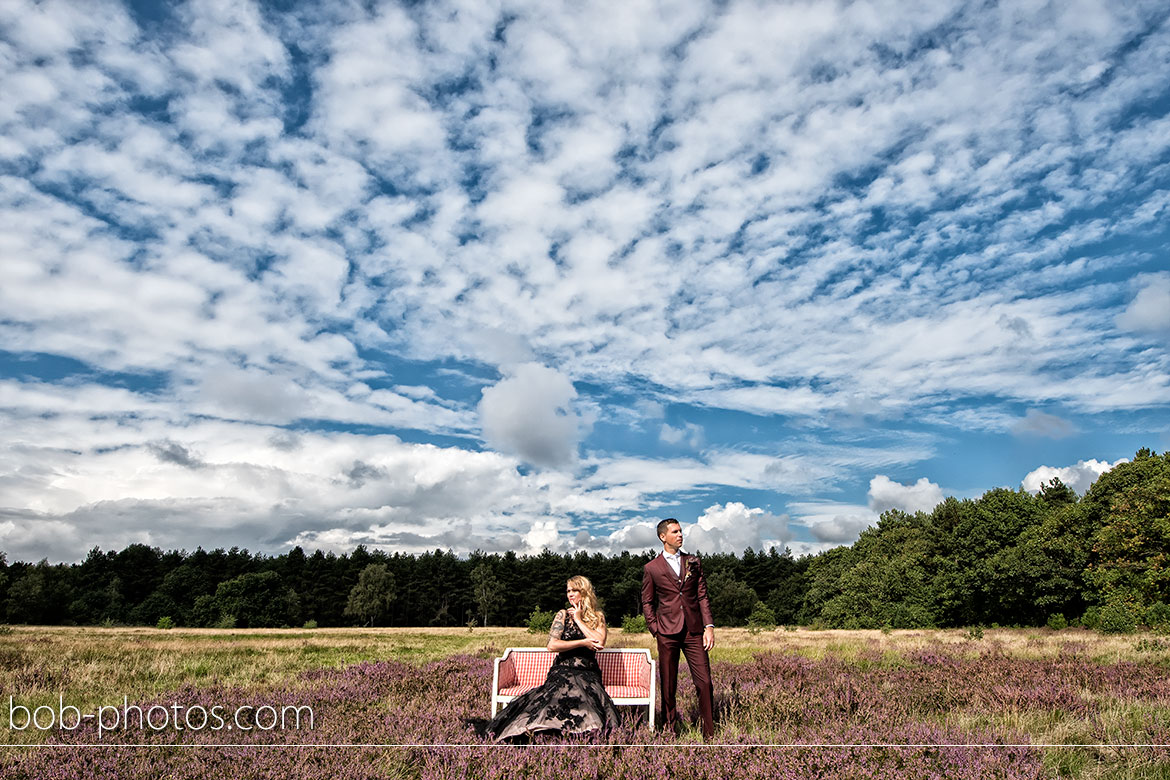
515 275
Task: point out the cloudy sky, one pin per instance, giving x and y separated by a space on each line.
508 275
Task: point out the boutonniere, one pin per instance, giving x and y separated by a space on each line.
689 569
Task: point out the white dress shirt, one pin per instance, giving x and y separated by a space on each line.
675 562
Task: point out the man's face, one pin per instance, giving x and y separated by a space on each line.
672 535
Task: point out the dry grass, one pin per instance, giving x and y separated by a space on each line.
91 667
89 664
95 666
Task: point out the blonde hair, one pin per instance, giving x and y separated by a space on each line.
591 614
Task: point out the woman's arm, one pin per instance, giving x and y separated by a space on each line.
558 645
596 636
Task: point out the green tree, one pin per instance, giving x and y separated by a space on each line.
975 572
488 591
153 607
540 622
889 580
761 619
1045 573
1131 547
787 583
28 597
40 594
370 599
141 570
626 594
824 572
731 600
258 600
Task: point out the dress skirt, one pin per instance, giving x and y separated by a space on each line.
572 699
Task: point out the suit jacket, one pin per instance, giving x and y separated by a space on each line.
671 603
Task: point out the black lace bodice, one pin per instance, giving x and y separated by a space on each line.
581 657
572 700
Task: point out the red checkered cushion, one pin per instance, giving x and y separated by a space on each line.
625 670
625 675
507 675
531 668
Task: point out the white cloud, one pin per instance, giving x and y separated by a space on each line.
733 527
1038 423
529 414
1149 311
1079 477
555 113
885 494
649 409
116 481
832 523
798 212
689 434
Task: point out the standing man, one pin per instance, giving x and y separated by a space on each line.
674 601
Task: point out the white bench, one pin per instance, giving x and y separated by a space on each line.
627 674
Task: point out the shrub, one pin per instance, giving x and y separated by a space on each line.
539 622
1158 617
310 624
634 625
1151 646
762 618
165 622
226 621
975 632
1057 622
1116 618
5 629
1091 617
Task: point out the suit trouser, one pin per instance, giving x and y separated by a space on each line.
700 666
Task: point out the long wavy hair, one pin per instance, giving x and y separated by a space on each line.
590 611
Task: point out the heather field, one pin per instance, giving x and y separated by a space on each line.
401 703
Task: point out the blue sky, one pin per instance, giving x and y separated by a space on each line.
505 275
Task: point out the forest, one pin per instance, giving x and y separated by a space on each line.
1006 558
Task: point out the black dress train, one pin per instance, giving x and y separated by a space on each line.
571 701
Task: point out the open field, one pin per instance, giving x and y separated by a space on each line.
419 686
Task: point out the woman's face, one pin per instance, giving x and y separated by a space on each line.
574 595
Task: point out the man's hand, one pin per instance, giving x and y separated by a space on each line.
708 638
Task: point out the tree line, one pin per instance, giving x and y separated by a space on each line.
1007 558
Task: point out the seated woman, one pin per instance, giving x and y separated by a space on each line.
572 699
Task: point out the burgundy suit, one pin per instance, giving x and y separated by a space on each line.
677 610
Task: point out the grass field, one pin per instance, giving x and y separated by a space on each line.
1028 687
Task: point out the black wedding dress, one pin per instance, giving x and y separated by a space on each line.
571 701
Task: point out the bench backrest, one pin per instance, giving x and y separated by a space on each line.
531 666
528 667
618 668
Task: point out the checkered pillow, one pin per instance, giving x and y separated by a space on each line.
628 671
532 668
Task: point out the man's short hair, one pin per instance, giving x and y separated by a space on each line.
662 526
